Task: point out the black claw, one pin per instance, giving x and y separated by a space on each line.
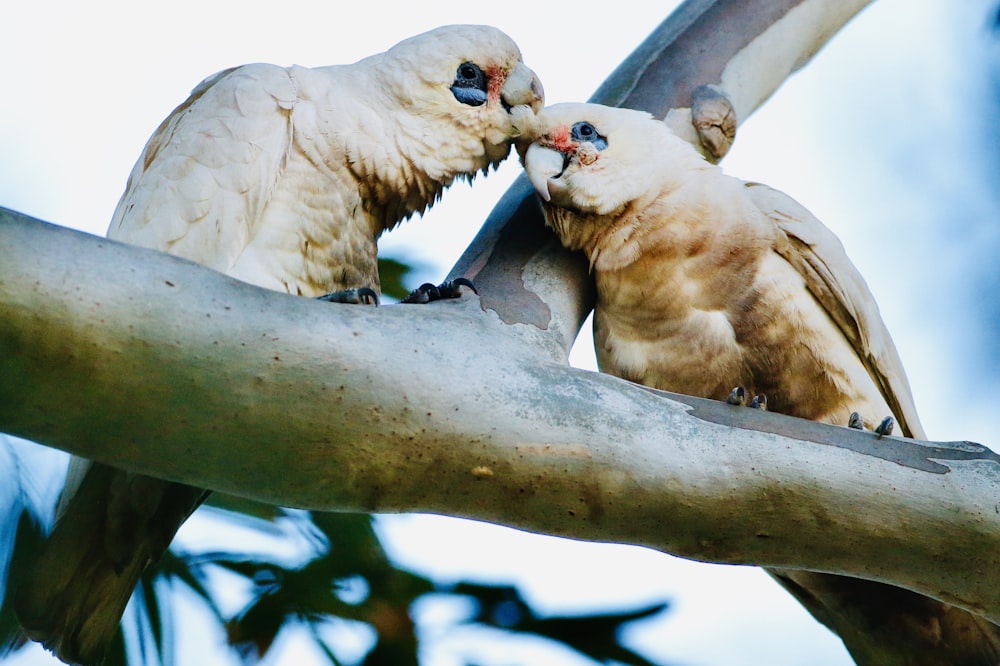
855 421
738 396
425 293
359 296
461 282
885 428
428 292
759 402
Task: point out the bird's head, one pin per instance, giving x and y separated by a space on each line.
599 171
590 158
470 82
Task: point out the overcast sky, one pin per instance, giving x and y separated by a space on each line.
882 137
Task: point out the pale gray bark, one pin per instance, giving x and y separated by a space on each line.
156 365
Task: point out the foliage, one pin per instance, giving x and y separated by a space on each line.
347 578
392 274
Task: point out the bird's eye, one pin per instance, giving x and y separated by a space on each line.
469 72
470 86
584 131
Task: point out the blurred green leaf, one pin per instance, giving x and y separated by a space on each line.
595 635
392 274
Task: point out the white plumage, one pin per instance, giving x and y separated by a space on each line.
283 177
704 283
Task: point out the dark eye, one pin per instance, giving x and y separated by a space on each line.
470 86
584 131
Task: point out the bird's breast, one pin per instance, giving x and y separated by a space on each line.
313 235
766 333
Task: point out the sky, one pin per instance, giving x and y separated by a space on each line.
885 136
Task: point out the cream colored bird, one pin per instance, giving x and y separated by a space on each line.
283 177
706 283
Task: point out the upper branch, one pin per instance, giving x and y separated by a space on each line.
745 48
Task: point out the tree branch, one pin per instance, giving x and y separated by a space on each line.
157 365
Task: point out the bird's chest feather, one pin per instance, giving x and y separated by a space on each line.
313 235
751 323
663 329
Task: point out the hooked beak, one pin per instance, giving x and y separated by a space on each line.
522 87
542 165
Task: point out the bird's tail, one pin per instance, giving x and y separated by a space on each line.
882 625
73 596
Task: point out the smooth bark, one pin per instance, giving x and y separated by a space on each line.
157 365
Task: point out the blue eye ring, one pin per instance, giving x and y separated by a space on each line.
471 84
585 132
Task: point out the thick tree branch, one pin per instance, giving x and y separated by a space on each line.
153 364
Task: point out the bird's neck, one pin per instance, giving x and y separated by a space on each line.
683 219
401 164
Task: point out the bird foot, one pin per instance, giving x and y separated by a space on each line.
883 429
359 296
428 292
738 397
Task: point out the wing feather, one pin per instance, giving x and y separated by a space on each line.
819 256
204 177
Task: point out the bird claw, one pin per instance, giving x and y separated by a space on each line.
428 292
738 397
359 296
883 429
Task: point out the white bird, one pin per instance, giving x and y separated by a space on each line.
706 283
283 177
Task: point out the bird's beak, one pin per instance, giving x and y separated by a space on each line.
543 164
523 87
